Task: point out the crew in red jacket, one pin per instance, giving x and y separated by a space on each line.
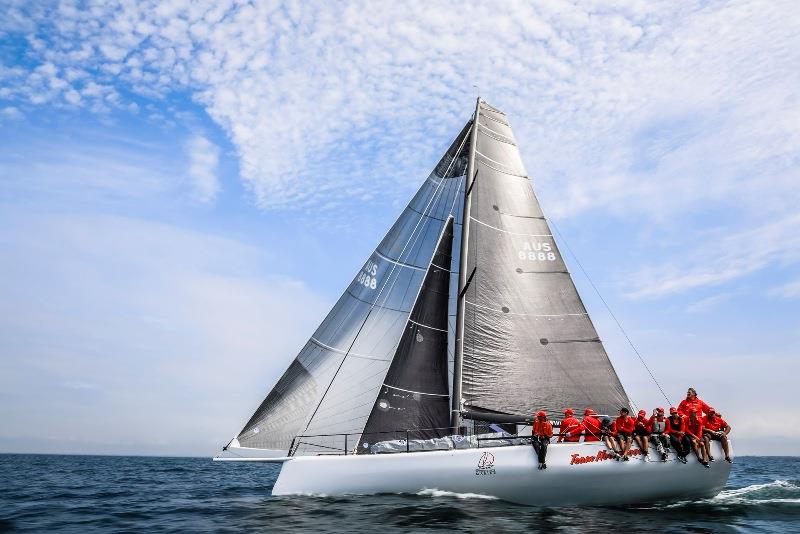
692 401
641 433
694 429
624 425
676 429
658 432
591 425
715 428
570 429
541 432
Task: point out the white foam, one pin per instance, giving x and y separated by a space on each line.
433 492
742 492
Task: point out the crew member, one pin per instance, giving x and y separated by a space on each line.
591 425
641 433
694 429
541 433
676 429
715 428
658 432
624 426
608 432
692 401
570 429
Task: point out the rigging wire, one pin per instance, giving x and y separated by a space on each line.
608 308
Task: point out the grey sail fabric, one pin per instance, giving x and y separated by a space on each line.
331 387
415 396
528 342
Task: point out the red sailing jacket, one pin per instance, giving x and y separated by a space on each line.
571 429
591 425
542 428
674 427
685 406
624 424
695 428
643 422
716 425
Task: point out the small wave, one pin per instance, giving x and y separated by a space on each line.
748 490
442 493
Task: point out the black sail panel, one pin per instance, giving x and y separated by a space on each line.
415 395
528 341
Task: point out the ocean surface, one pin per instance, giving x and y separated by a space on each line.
48 493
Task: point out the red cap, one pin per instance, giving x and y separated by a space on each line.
661 410
541 414
569 411
642 413
589 411
673 409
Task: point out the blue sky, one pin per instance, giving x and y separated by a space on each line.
186 188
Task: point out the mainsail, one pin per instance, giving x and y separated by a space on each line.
415 395
528 343
331 386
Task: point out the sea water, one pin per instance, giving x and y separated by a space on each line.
48 493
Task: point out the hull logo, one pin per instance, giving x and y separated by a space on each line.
485 465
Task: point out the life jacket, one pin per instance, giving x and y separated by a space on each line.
591 426
656 426
573 427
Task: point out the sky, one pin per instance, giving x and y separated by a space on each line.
187 187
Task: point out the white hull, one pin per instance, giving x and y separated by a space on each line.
510 474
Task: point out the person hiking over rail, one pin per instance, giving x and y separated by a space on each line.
715 428
641 433
676 429
624 425
694 429
541 433
658 432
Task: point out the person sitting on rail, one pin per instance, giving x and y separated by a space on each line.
715 428
591 425
608 431
694 429
624 426
676 429
641 433
571 428
541 433
692 401
658 432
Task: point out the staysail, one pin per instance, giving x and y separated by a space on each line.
528 342
415 395
332 385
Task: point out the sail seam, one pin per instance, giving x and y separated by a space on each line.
500 170
495 135
497 121
370 303
481 154
400 263
426 326
440 267
525 314
430 216
416 392
340 351
506 231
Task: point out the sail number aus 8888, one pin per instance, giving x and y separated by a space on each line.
367 275
537 252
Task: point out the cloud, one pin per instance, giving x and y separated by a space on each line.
203 162
787 291
713 262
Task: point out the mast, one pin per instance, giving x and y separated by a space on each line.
463 278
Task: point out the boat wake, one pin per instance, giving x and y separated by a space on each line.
441 493
777 492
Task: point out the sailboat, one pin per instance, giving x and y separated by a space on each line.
462 323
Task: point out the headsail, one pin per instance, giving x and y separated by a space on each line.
332 385
415 395
528 341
